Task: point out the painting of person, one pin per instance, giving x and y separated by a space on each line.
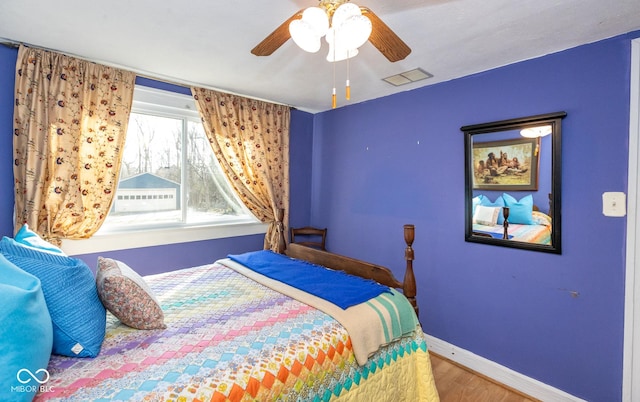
492 164
481 169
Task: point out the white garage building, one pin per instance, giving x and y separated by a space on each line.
147 192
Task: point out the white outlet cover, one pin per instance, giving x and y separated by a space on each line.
614 204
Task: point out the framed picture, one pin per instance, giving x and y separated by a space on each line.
508 165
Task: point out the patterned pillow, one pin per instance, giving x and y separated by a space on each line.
127 296
69 288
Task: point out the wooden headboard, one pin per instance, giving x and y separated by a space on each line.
378 273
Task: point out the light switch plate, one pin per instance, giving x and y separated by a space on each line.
614 204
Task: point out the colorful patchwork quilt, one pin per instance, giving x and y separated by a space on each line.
229 338
539 232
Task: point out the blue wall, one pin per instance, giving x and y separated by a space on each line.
400 159
153 260
7 78
300 145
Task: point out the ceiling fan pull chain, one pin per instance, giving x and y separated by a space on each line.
334 103
348 90
348 85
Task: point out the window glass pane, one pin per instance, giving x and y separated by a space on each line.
210 196
151 166
154 189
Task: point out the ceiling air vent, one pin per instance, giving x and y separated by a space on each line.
408 77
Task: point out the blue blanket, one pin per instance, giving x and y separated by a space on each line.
337 287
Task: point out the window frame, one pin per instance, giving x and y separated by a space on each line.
164 103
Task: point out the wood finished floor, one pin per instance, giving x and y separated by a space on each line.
458 384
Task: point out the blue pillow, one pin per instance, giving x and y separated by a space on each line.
498 203
30 238
520 211
26 334
69 288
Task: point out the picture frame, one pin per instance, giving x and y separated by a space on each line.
547 173
506 165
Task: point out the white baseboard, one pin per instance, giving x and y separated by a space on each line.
501 374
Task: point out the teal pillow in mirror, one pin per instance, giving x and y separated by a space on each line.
520 211
69 288
26 334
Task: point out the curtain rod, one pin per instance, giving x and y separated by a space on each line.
144 74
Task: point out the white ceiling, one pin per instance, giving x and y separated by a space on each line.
208 42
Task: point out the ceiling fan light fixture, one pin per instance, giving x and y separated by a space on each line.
352 28
349 30
354 32
307 31
344 12
303 35
381 37
536 132
317 18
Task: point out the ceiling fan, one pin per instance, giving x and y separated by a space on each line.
382 37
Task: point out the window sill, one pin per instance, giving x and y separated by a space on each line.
103 242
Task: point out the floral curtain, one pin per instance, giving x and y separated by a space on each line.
70 123
250 139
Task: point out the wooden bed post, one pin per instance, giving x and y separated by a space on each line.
409 284
505 224
282 243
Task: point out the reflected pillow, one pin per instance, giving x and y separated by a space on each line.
127 296
498 203
520 211
486 215
475 201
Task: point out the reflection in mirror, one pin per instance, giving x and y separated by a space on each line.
512 179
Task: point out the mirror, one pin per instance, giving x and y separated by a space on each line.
513 182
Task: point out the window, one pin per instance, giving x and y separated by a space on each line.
167 153
169 177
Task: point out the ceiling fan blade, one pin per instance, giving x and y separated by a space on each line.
384 39
276 38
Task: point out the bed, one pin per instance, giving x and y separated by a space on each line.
524 221
539 232
233 332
